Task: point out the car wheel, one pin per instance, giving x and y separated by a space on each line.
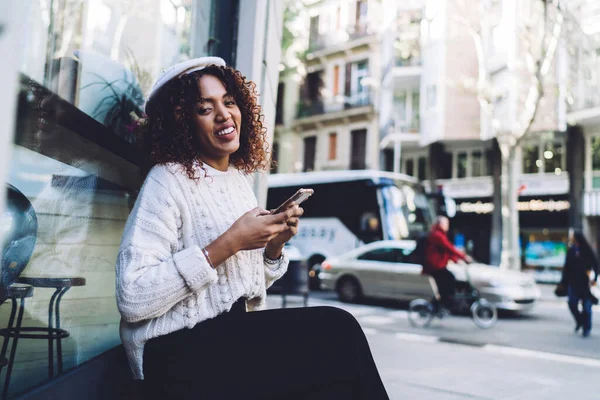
348 290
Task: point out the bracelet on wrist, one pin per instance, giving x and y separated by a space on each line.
205 252
272 261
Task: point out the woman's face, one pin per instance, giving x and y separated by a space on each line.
217 122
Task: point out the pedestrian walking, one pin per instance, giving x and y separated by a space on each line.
580 262
197 254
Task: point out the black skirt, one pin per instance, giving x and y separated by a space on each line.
301 353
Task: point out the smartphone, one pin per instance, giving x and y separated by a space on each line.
298 197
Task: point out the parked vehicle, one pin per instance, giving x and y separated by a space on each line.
351 208
381 269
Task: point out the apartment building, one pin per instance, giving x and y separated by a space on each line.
422 120
581 56
545 200
327 118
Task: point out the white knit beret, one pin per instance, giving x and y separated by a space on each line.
182 68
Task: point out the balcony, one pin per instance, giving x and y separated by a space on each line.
309 112
583 97
339 40
340 103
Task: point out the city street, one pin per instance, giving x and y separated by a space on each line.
533 356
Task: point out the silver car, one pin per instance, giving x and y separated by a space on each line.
381 269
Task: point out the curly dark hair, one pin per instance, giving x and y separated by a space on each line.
167 134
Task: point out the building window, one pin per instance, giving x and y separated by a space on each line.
422 172
358 151
595 148
313 35
336 80
547 156
332 146
409 167
431 96
279 105
361 16
274 157
310 147
531 159
461 165
360 91
553 157
477 164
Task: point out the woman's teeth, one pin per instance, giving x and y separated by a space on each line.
225 131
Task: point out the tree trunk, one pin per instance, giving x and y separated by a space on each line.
510 256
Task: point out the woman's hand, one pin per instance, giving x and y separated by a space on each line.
254 230
275 245
257 227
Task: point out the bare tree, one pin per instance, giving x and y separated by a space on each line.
538 34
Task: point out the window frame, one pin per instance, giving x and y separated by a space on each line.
540 143
332 154
469 163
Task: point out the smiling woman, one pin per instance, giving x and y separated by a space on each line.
201 99
197 254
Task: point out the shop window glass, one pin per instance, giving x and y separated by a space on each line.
422 173
90 53
477 164
531 159
461 165
410 167
595 149
86 70
553 157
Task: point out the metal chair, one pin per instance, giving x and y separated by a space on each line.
53 331
17 293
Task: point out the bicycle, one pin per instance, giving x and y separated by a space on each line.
484 314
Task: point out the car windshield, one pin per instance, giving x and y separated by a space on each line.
407 212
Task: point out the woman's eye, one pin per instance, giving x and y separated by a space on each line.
229 102
203 111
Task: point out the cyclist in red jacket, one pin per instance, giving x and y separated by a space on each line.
439 251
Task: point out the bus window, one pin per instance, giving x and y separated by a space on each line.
370 227
407 212
393 202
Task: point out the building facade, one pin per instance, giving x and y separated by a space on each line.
78 76
328 117
426 120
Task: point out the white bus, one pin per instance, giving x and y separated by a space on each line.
350 208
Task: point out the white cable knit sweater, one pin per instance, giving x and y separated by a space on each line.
164 282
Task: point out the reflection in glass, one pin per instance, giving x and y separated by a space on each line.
407 211
553 157
461 165
531 161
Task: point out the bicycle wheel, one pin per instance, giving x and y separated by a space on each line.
420 313
485 314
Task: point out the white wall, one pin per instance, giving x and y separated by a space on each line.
258 55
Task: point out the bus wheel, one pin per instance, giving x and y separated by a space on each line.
348 289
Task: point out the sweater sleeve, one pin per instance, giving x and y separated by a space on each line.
444 243
276 271
153 273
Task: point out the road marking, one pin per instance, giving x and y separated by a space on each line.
541 355
375 319
416 338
